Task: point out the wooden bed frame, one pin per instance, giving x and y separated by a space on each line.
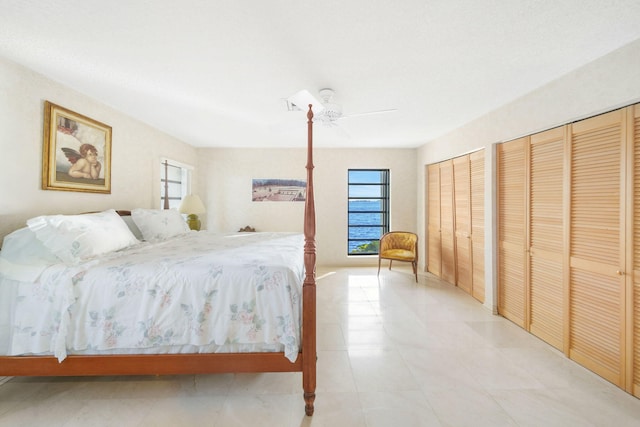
173 364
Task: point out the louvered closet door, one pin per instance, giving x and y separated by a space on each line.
448 266
462 205
476 161
635 127
433 212
512 300
546 233
597 258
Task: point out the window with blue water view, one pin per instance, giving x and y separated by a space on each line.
368 210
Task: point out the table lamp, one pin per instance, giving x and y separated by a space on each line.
192 206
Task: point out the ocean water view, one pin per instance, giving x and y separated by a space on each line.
363 224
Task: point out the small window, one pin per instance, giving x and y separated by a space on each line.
175 181
368 210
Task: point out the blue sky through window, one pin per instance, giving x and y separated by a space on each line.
364 177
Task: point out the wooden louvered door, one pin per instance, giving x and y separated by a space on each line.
512 201
433 215
476 162
448 266
633 299
546 233
462 232
596 218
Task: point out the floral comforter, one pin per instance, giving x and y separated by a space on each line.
199 290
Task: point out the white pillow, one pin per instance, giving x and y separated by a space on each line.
23 247
23 257
73 238
159 224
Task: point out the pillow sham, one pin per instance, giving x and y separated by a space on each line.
159 224
23 257
23 247
74 238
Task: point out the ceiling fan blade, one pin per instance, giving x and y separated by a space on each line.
303 99
340 130
367 113
332 125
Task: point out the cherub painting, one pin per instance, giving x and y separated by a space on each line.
77 152
84 164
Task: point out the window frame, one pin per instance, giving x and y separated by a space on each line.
384 211
185 183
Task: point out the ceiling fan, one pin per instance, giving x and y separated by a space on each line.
327 111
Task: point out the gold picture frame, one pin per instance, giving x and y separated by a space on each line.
76 153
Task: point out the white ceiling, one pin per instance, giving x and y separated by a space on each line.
214 73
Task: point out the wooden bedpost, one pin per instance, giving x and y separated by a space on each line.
166 185
309 355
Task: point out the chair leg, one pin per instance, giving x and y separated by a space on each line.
415 270
379 259
390 262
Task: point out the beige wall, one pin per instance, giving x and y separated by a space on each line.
227 174
136 152
608 83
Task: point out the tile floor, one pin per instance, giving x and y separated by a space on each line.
390 353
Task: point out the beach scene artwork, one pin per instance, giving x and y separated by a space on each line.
279 190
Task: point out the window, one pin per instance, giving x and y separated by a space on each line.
175 183
368 210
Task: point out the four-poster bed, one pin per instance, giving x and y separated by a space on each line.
199 362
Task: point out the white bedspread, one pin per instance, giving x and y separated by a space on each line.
197 290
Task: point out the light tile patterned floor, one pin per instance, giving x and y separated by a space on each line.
391 353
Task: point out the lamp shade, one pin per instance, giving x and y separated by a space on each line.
192 205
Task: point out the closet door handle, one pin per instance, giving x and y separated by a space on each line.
620 273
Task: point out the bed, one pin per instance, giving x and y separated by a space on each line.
182 302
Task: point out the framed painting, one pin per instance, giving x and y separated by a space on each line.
76 153
279 190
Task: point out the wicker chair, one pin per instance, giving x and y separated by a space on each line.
399 246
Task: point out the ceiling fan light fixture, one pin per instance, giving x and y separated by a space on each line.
332 111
